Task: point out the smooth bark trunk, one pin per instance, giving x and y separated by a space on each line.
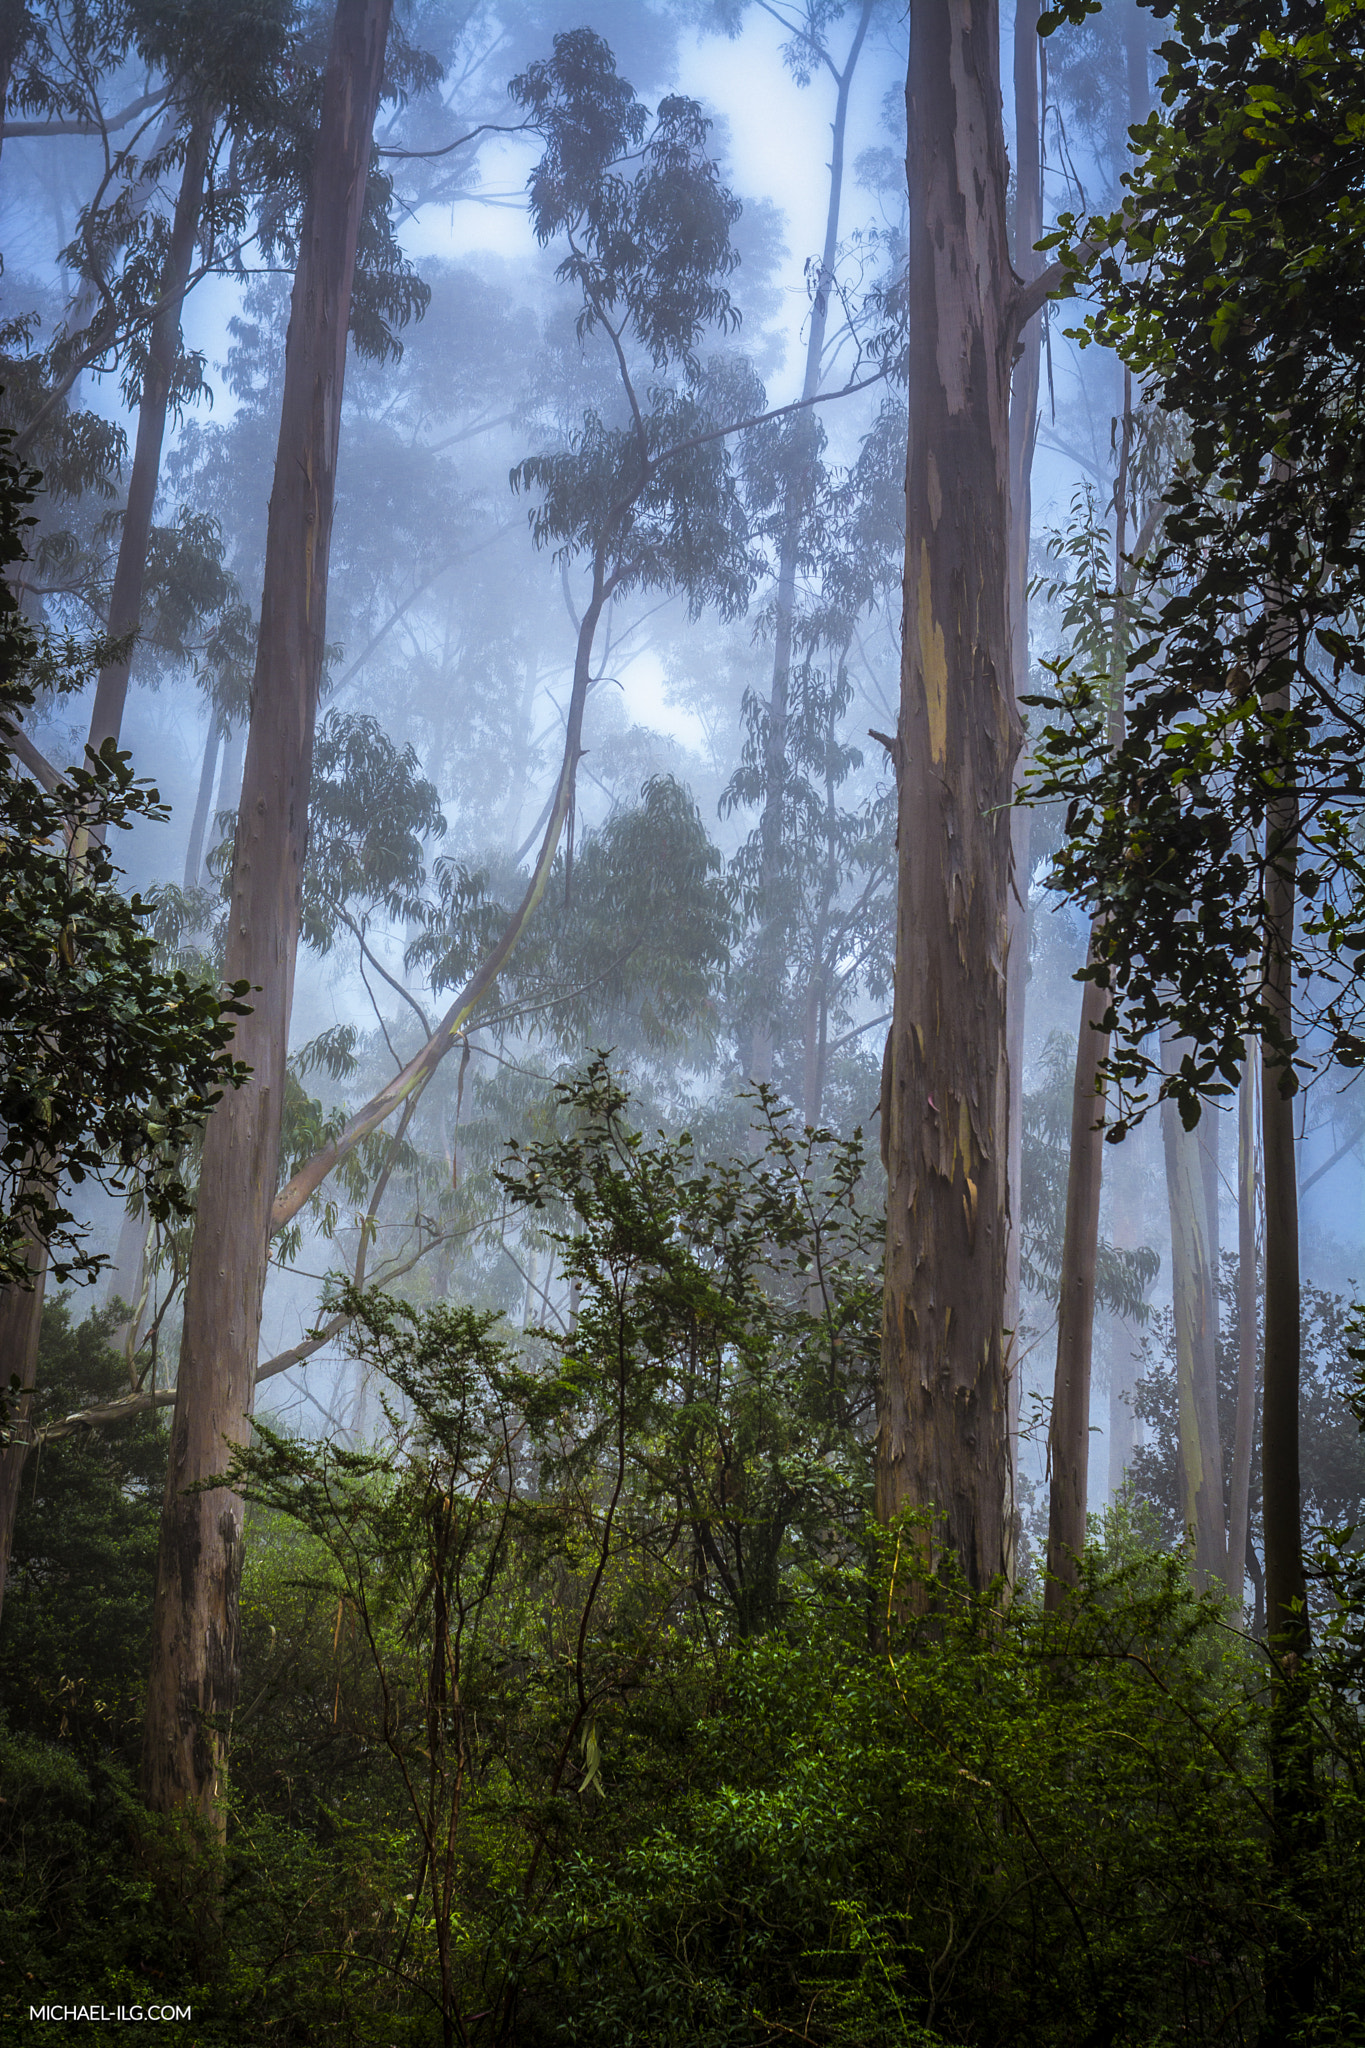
770 827
1028 229
1201 1462
942 1442
194 1653
21 1319
1244 1431
1286 1585
1069 1430
163 349
1291 1969
194 852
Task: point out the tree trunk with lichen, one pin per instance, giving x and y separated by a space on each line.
943 1434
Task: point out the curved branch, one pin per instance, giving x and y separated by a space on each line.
424 1063
18 131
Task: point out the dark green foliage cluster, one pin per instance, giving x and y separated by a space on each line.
1331 1449
582 1705
1231 282
107 1062
77 1628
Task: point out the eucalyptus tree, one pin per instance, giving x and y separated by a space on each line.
107 1061
195 1623
1242 306
943 1437
645 496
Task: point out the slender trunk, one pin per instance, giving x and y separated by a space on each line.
1028 229
1291 1966
1201 1463
1130 1231
770 828
943 1430
21 1319
1239 1502
194 852
194 1649
1069 1430
125 604
1286 1586
21 1315
230 774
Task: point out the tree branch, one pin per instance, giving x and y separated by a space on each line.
18 131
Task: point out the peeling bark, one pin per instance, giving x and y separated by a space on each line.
942 1444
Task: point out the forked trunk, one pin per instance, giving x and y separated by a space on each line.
942 1442
194 1650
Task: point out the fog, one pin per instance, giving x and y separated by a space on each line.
451 643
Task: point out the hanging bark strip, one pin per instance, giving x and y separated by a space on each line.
194 1649
943 1431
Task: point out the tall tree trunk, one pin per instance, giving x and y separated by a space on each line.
1028 229
22 1321
1201 1461
770 827
194 851
163 349
194 1650
1291 1968
21 1315
1069 1429
1130 1231
1239 1491
1286 1586
942 1441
